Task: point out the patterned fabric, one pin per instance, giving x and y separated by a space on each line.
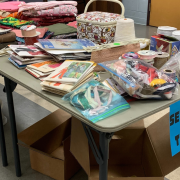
96 33
44 5
15 23
63 10
99 16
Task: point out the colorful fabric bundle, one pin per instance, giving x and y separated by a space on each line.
141 80
96 101
14 23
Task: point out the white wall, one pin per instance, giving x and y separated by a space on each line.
137 10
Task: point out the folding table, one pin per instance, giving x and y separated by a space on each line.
139 110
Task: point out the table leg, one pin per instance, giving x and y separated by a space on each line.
9 89
2 142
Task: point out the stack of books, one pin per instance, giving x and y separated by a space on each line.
63 49
21 55
42 69
69 76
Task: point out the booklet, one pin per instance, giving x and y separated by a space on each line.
71 44
28 51
16 64
46 66
71 71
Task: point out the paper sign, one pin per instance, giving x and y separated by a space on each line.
174 123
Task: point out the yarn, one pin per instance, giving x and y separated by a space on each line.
125 30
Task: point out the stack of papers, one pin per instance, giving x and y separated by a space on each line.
22 55
69 76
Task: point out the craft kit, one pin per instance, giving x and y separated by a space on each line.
96 101
99 27
141 80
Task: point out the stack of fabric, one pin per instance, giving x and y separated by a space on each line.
48 13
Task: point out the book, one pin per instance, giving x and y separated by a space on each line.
16 64
71 71
35 73
63 44
28 51
46 66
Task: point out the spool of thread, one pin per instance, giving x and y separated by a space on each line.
166 30
125 30
130 55
160 59
147 54
170 73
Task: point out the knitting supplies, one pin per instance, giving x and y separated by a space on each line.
96 101
99 27
176 34
147 54
130 55
160 59
141 80
170 73
125 30
166 30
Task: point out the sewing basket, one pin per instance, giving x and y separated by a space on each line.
99 27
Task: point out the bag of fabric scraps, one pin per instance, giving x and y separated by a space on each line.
96 101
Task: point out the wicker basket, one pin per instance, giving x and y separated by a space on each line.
96 26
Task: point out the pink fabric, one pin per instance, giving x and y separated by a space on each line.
62 10
73 24
11 6
44 5
41 30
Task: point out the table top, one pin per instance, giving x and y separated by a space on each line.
139 109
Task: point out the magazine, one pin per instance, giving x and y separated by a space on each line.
16 64
28 51
65 43
71 71
46 66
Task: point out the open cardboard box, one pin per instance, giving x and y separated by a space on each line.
135 153
49 143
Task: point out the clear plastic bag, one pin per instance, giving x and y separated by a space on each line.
96 101
141 80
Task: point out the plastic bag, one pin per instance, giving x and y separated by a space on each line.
96 101
141 80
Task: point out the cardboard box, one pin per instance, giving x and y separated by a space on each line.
134 152
49 143
170 45
175 175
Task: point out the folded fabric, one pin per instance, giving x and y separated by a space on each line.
6 27
73 24
61 28
11 6
3 13
66 36
15 23
41 30
44 5
9 37
63 10
15 15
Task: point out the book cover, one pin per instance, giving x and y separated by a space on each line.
70 71
16 64
28 51
65 43
46 66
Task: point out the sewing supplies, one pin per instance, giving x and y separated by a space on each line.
147 54
170 73
130 55
125 30
176 34
166 30
30 34
160 59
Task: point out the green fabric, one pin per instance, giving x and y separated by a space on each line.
15 23
61 28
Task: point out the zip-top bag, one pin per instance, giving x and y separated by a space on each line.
99 27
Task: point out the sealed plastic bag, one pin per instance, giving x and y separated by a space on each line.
96 101
141 80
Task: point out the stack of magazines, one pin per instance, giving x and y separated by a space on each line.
69 76
21 55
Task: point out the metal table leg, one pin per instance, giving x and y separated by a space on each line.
2 142
102 154
9 88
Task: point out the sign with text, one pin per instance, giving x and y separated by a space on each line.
174 123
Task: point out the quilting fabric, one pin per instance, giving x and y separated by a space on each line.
11 6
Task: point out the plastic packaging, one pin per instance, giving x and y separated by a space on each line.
141 80
96 101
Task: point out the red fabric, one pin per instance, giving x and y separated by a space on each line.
6 27
142 68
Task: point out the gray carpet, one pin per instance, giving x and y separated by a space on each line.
27 113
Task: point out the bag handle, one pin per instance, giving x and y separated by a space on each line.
116 1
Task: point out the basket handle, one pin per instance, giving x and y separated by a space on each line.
116 1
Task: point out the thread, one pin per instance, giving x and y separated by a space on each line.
130 55
147 54
170 73
166 30
125 30
160 59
